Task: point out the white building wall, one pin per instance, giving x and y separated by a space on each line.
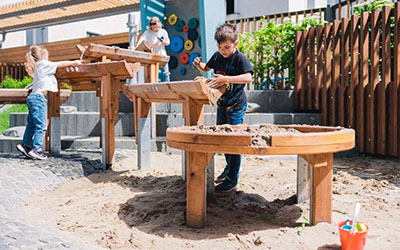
252 8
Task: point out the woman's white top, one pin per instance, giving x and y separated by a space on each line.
43 77
152 37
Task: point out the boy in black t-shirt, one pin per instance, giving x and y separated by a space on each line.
233 68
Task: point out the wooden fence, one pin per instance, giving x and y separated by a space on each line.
349 70
14 70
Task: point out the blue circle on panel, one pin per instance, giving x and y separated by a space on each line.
192 57
176 44
182 71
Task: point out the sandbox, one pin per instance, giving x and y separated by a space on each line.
314 144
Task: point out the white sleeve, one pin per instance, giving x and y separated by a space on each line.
49 68
166 37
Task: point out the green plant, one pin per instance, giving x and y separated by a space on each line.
11 83
5 115
368 7
304 221
271 50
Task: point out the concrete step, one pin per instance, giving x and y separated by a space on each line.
87 123
279 101
9 144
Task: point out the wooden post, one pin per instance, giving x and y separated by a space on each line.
55 123
335 72
354 29
345 72
196 189
327 74
321 187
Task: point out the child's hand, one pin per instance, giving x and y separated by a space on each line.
78 62
196 61
218 81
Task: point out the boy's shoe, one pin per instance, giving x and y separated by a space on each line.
227 185
37 154
222 176
24 150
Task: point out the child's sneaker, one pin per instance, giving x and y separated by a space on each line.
24 149
227 185
37 154
222 176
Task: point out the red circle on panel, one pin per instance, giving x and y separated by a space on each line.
184 58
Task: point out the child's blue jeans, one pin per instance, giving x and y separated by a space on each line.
37 121
233 118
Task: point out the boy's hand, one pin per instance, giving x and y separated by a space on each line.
196 61
218 81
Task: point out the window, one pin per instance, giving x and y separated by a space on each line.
92 34
230 7
37 36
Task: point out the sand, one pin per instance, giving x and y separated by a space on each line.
125 208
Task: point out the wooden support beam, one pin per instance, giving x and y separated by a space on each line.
196 189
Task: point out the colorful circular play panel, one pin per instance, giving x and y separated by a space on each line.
184 58
182 70
176 44
192 35
193 23
173 62
192 57
188 45
179 25
172 19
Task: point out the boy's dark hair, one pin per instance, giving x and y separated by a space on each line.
226 32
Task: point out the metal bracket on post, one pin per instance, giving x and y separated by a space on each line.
103 142
144 144
210 179
183 152
302 179
55 136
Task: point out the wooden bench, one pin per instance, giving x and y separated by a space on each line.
315 145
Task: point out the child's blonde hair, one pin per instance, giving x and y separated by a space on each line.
35 54
156 20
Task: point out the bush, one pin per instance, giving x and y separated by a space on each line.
5 115
11 83
271 50
368 7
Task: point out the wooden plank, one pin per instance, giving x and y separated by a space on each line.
382 86
196 189
119 69
282 140
192 112
327 74
335 72
320 67
115 53
345 71
321 188
311 85
394 89
18 96
212 138
371 120
355 39
361 90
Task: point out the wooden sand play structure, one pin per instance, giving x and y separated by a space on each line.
314 146
191 94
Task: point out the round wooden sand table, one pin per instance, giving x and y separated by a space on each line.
314 146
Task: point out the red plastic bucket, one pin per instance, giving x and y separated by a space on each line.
352 241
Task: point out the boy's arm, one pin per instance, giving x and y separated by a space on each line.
200 65
221 80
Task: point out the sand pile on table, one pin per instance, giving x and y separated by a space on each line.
260 134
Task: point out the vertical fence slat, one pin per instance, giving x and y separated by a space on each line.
345 71
311 82
394 110
305 64
371 120
298 67
361 100
381 91
355 34
335 73
320 67
327 73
